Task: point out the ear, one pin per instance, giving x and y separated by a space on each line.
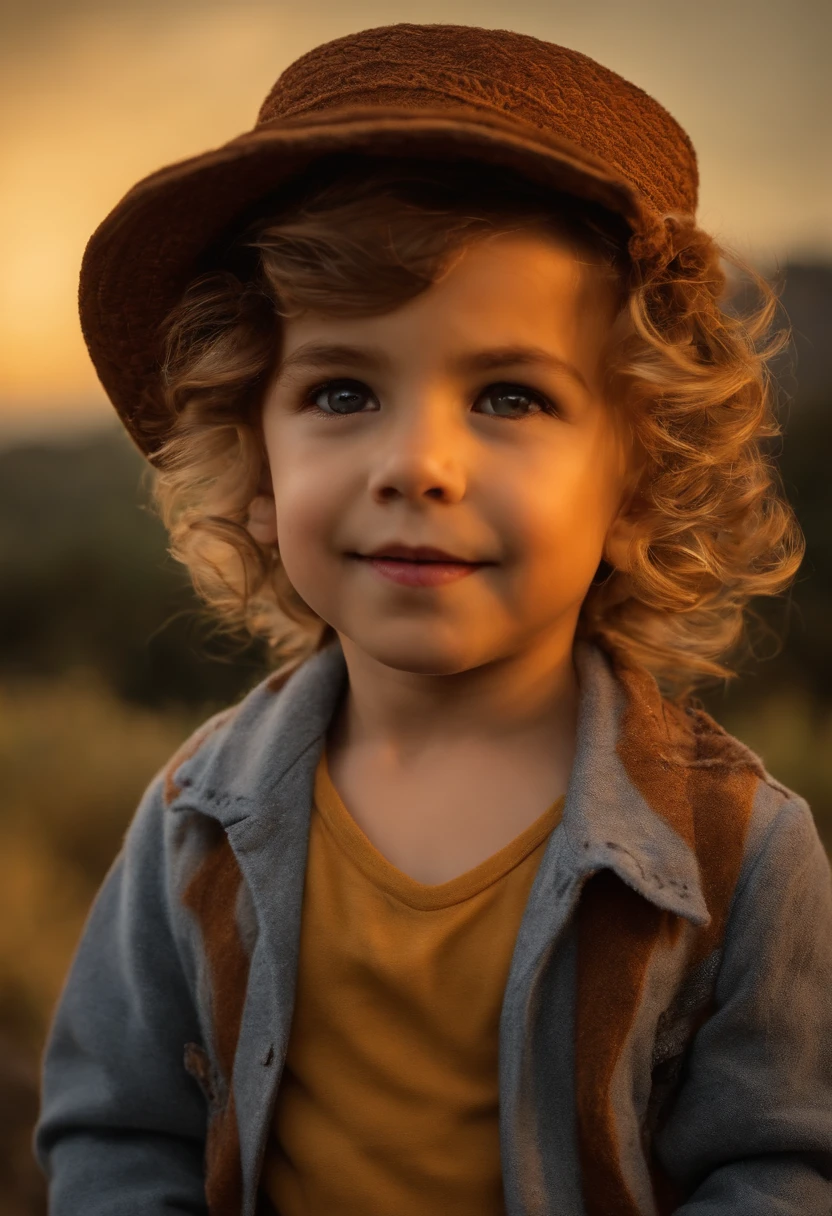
617 542
631 504
262 519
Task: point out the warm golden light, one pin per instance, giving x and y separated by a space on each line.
103 98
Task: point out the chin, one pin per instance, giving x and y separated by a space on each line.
419 655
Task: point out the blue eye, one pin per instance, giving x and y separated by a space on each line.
340 398
340 395
515 394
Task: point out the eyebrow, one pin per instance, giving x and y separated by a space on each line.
313 354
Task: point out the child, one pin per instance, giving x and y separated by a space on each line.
466 908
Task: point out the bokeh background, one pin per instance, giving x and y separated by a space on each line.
106 662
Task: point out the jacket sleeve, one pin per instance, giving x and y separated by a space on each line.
751 1131
122 1125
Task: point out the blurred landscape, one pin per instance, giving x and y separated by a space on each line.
107 661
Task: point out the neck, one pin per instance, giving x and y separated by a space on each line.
522 701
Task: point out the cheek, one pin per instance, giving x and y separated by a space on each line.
565 515
307 516
570 496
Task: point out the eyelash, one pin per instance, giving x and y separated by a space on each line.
547 406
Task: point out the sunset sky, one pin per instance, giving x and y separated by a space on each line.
94 96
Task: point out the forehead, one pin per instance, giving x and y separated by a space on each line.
525 288
531 264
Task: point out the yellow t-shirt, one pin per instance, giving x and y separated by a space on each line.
388 1102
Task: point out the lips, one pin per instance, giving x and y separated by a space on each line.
416 553
421 573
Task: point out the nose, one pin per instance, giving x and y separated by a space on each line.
422 452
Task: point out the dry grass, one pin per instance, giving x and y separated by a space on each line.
75 761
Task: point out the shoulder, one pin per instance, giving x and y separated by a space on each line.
703 743
781 820
726 804
713 745
190 746
219 729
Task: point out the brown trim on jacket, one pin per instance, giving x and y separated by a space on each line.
210 893
702 782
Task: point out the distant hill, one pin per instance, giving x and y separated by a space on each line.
85 579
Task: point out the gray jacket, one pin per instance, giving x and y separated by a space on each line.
666 1029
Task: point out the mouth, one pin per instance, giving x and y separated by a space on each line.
419 572
417 555
415 561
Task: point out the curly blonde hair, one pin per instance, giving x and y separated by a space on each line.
691 373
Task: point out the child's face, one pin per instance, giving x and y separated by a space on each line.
434 452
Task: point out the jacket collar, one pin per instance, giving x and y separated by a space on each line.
612 817
624 732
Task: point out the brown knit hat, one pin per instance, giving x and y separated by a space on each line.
547 113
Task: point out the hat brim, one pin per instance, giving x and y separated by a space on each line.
142 256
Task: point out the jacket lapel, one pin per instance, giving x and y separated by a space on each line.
249 791
683 793
651 837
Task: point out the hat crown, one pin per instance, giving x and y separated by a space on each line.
526 107
516 77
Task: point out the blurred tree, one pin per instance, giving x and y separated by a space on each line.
803 375
86 581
